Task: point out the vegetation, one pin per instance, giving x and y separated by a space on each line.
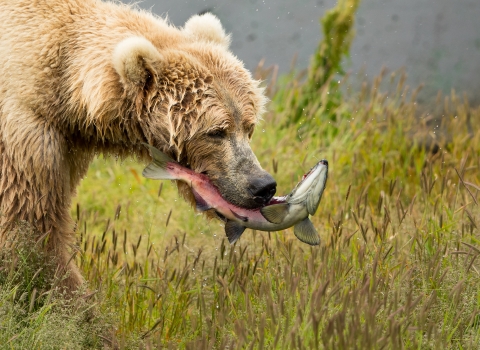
397 267
316 98
34 314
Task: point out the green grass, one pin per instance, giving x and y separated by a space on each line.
397 268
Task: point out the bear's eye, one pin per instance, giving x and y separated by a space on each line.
217 134
250 131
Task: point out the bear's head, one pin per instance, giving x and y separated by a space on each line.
196 102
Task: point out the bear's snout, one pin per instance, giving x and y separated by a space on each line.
262 188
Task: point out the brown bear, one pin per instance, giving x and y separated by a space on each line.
81 77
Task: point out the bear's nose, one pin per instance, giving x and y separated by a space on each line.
263 188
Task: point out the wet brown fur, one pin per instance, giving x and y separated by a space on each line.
69 91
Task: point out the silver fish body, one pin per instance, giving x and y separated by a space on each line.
279 214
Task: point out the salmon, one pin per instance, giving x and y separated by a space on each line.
278 214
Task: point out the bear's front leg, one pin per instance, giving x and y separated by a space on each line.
35 186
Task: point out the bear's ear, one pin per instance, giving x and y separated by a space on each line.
207 27
136 60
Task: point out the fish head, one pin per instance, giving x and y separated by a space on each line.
309 191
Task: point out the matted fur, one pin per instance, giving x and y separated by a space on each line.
79 77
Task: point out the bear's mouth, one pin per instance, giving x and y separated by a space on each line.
188 166
229 194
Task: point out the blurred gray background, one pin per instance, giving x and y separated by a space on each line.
437 41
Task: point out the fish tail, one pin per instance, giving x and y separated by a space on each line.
158 168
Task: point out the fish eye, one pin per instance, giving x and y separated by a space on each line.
217 134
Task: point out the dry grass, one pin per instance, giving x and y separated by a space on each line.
397 269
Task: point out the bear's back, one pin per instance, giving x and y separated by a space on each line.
53 48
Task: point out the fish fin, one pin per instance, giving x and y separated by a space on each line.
158 168
158 156
233 230
201 204
305 232
275 213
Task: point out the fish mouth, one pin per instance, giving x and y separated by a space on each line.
323 162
